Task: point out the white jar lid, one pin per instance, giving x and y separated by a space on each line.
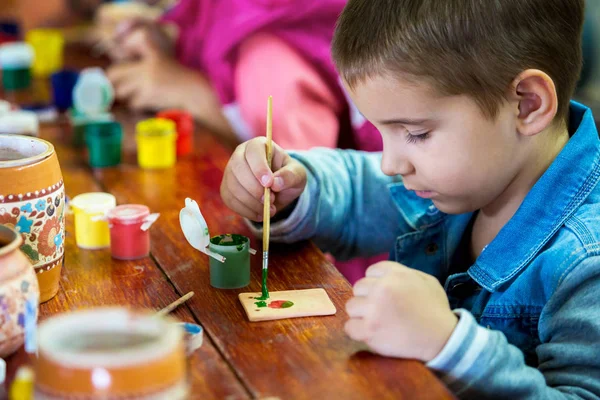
93 94
20 123
94 202
16 55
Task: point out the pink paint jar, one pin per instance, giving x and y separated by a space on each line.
129 236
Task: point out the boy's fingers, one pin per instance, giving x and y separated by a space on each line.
256 157
237 206
364 286
290 176
357 307
243 174
378 270
356 329
238 190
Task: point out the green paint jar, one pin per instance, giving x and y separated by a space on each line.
103 140
15 61
79 121
234 272
16 79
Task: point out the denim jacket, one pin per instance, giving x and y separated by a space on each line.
529 306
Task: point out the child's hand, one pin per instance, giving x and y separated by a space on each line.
247 174
156 82
137 38
400 312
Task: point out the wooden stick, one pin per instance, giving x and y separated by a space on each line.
175 304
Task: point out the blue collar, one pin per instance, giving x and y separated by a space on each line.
552 200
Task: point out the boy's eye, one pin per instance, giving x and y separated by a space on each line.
416 137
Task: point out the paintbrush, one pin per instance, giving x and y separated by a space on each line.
267 202
174 304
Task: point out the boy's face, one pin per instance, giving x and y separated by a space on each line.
443 147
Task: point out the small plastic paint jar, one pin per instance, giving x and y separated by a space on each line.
156 143
48 46
63 83
193 337
103 140
93 93
15 61
185 129
234 272
20 123
129 231
91 226
79 121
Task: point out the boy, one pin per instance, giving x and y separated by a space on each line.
489 194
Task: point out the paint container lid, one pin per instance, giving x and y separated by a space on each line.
5 107
94 203
194 225
16 55
183 121
128 214
93 93
193 336
155 127
20 123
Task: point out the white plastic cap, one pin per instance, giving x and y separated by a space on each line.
93 94
4 107
16 55
20 123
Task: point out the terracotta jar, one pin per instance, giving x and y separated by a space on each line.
19 292
32 200
110 353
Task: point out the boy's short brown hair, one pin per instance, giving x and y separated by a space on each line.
471 47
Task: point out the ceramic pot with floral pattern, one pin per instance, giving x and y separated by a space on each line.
32 201
19 292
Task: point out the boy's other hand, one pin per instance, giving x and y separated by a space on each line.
247 174
400 312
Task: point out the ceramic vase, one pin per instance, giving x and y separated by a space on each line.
32 201
19 292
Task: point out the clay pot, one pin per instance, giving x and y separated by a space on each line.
110 353
32 200
19 292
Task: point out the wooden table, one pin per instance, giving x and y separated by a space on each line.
302 358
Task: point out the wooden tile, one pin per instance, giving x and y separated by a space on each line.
304 303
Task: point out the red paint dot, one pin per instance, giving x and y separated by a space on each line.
276 303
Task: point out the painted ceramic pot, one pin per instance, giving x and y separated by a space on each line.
110 353
19 292
32 199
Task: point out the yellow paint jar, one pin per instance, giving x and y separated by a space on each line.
48 46
91 225
156 141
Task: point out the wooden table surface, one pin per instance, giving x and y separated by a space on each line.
303 358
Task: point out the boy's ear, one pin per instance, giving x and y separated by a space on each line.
535 93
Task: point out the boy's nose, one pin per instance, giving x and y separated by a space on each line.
392 166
